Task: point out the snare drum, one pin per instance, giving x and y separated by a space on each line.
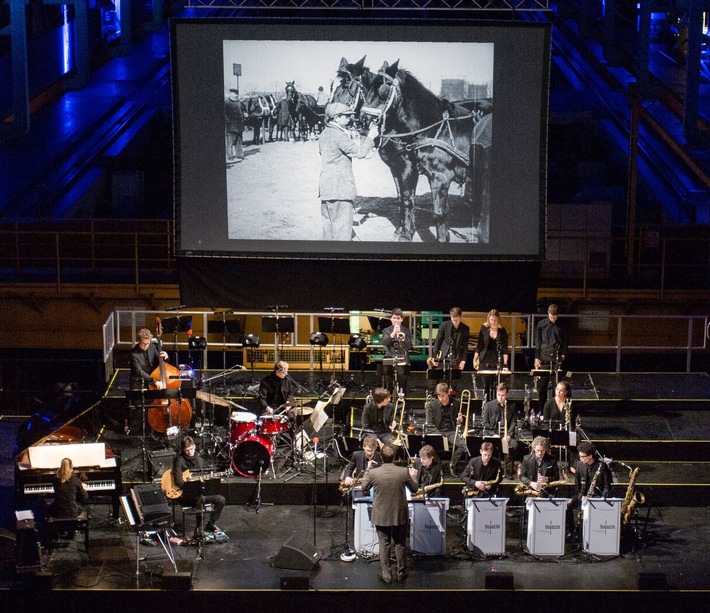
252 454
273 424
242 424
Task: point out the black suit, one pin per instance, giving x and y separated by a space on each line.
550 349
377 421
358 463
452 343
429 476
275 391
529 469
398 349
583 478
143 363
492 416
443 418
488 350
476 471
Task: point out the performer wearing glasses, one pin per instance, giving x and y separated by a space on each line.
592 479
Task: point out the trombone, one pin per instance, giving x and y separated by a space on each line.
399 406
465 403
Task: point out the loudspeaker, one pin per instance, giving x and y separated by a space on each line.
499 581
176 582
653 581
296 554
295 583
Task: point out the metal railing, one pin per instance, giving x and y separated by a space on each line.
590 332
374 5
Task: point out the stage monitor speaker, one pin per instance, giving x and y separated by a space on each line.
296 554
499 581
176 582
295 583
653 581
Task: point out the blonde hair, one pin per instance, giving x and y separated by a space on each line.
65 470
491 313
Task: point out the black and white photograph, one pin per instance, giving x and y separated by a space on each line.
426 179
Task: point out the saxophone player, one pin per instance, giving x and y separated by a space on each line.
483 473
361 460
428 472
397 341
539 467
592 478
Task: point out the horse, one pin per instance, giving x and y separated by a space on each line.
302 108
281 118
355 80
258 115
422 134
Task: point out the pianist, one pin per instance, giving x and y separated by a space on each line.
145 358
69 492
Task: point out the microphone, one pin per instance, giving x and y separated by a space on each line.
276 306
176 308
331 309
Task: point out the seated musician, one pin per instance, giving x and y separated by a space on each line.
189 460
145 358
539 467
69 492
361 460
428 472
483 473
554 410
378 415
443 413
499 418
276 390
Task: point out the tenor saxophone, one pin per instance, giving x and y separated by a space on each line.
632 497
526 490
474 492
345 488
423 491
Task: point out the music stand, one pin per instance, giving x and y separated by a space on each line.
339 326
226 327
377 324
175 325
277 325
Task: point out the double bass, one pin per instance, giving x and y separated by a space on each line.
165 414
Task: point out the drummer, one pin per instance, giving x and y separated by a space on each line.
276 390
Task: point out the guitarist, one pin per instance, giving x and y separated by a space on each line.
189 460
145 358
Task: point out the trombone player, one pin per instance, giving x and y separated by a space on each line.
444 415
378 417
397 341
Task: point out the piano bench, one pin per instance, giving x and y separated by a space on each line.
58 525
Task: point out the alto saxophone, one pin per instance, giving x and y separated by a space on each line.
345 488
423 491
632 498
474 492
526 490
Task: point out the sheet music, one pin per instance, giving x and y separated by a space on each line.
81 454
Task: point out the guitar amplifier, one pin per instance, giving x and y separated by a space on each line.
151 504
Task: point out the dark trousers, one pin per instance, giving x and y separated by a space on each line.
392 537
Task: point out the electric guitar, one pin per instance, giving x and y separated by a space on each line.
172 491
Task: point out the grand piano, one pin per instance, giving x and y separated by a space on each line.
94 463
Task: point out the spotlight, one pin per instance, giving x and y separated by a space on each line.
357 342
251 341
196 343
320 339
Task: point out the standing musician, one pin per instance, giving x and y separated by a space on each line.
539 467
362 459
483 473
550 351
554 410
592 479
443 413
378 415
188 459
390 511
428 472
145 358
491 351
451 345
397 341
276 389
499 417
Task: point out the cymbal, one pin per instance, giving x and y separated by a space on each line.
214 399
302 410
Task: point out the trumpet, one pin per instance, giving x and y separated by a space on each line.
465 403
398 334
398 440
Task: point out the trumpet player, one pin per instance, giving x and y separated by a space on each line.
361 460
484 472
397 341
539 467
428 471
378 415
550 350
444 414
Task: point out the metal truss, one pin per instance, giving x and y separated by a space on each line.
375 5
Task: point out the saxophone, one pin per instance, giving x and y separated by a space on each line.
474 492
345 488
632 497
423 491
526 490
595 478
